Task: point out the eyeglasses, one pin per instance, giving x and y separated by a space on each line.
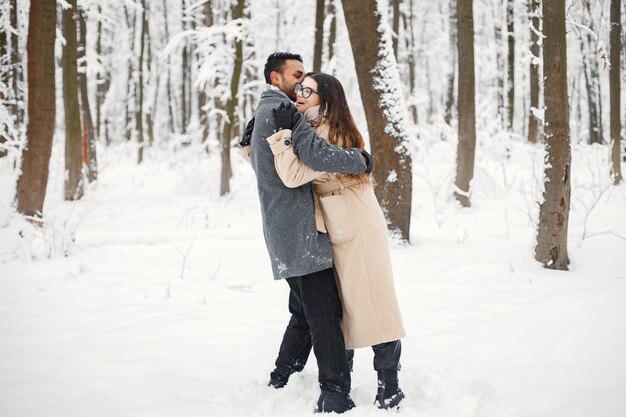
305 91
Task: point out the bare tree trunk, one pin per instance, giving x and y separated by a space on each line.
615 94
408 22
535 50
16 66
332 35
31 185
169 101
185 72
466 107
592 80
231 106
500 63
99 81
395 26
73 139
319 36
4 47
154 75
130 23
89 143
453 63
551 249
510 27
202 98
377 74
139 83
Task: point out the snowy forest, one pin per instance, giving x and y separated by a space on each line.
134 277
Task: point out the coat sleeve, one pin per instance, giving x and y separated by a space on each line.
321 156
289 167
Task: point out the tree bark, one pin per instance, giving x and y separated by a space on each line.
89 144
615 91
31 185
319 36
510 27
453 63
16 66
231 106
592 80
4 48
332 35
168 99
139 84
466 107
500 63
203 97
99 80
128 122
379 81
395 26
185 72
535 50
408 22
73 139
551 249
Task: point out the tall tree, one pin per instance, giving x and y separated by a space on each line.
453 64
31 185
168 98
501 63
89 142
535 50
319 36
615 90
231 106
141 18
185 73
589 47
3 81
510 93
379 84
73 137
332 32
466 107
16 65
395 25
202 94
408 19
551 249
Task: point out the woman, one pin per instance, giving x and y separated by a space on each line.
349 212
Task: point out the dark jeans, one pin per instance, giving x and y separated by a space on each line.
315 310
386 356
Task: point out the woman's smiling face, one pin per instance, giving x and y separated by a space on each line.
306 95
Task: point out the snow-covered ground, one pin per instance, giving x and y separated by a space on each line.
154 297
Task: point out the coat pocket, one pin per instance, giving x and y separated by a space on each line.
338 219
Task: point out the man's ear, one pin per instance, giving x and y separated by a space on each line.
276 78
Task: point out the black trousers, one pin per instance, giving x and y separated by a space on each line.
316 311
386 356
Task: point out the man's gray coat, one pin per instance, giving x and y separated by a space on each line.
293 242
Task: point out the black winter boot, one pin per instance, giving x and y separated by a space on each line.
334 402
389 393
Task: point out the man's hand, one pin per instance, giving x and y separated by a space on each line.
285 116
247 134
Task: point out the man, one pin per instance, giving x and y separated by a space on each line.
298 253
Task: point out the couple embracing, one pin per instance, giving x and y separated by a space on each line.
325 233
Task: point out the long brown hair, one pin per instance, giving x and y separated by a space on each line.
335 112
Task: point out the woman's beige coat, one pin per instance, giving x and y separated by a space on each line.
349 211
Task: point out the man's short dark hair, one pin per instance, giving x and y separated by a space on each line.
276 62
